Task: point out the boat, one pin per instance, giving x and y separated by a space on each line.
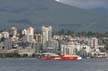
101 55
52 56
71 57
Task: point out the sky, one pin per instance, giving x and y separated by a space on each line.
86 4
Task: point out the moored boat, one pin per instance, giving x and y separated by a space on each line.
52 56
71 57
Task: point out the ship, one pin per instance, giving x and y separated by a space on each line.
53 56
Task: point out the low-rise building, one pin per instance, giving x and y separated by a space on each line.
68 48
29 51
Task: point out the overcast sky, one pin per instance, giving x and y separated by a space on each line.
87 4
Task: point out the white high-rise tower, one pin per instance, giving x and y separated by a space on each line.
13 31
28 34
46 35
30 31
94 42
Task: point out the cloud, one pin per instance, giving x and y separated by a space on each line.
86 4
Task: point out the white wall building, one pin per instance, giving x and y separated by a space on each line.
86 48
29 51
71 48
68 49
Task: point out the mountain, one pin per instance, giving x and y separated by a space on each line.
100 10
24 13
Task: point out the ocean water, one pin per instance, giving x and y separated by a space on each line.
28 64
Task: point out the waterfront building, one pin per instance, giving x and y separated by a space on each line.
84 50
68 48
29 51
98 54
52 46
74 47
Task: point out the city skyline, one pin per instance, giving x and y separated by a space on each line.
29 42
53 35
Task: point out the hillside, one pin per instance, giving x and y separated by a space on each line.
23 13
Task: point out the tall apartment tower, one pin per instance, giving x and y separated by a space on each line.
5 34
30 31
94 42
46 35
13 31
28 34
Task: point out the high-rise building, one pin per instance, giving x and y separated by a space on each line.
5 34
24 32
30 31
94 42
0 36
8 43
28 34
38 38
13 32
52 46
46 35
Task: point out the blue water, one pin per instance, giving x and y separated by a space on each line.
41 65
